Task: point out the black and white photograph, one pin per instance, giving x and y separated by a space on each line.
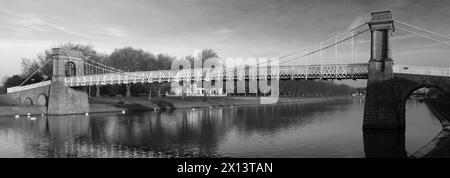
224 79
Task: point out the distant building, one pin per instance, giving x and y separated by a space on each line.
193 90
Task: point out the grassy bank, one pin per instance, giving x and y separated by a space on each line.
169 103
441 109
10 107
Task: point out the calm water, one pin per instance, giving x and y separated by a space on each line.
332 129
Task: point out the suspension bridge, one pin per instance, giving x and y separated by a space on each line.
388 84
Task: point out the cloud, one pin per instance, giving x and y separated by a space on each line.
226 31
64 29
112 31
28 22
359 21
8 44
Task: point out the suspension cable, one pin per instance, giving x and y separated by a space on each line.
439 41
113 70
35 72
448 38
313 52
329 46
303 49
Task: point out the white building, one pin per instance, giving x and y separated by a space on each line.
193 90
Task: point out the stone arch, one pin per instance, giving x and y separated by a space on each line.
42 100
385 104
28 101
410 90
70 69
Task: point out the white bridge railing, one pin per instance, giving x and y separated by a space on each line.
27 87
422 70
328 71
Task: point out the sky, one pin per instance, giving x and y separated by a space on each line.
233 28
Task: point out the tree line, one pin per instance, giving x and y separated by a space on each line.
317 88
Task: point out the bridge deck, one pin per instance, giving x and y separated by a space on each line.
330 71
28 87
422 70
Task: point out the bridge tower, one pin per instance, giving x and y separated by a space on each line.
387 91
62 99
380 63
383 109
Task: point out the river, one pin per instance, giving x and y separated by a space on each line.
328 129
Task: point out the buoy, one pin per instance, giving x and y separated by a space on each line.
193 109
87 114
123 112
16 116
28 114
210 107
42 114
32 118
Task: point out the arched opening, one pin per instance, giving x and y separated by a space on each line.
70 69
28 101
42 100
421 125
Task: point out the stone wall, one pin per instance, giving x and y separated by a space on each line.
57 98
385 100
64 100
38 96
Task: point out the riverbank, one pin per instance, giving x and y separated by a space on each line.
439 147
169 103
441 109
9 107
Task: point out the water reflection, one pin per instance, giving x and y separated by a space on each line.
331 129
384 144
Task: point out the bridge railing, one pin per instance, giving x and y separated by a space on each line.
422 70
27 87
324 71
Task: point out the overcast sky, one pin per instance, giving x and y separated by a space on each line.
234 28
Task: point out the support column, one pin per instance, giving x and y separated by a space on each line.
62 99
97 91
159 90
383 106
384 144
150 93
183 88
380 63
128 88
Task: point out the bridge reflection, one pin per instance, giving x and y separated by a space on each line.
384 143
